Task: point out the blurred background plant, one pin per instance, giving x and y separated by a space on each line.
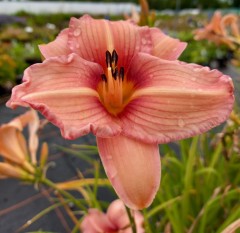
223 30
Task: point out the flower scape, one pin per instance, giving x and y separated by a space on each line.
124 84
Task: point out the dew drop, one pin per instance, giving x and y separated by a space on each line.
181 123
109 157
193 79
29 222
69 59
77 46
113 174
77 32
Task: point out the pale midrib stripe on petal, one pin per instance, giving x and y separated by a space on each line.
177 92
67 93
174 106
109 36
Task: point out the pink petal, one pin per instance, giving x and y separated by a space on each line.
63 90
33 137
133 168
130 39
166 47
118 215
174 100
57 47
95 222
91 39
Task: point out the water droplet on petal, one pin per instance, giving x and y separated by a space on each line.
181 123
113 174
193 79
77 32
77 46
69 59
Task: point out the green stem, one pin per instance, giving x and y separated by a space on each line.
146 222
132 221
63 192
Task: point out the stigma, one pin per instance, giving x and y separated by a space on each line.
114 89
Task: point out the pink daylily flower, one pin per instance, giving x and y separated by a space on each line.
114 221
123 83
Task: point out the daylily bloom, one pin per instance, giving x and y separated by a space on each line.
13 146
9 171
114 221
220 30
123 83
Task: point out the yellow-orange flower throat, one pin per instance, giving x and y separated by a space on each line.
114 89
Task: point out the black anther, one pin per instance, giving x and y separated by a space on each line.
115 74
114 57
121 73
108 59
104 78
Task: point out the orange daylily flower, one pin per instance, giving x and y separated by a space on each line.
220 30
17 155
